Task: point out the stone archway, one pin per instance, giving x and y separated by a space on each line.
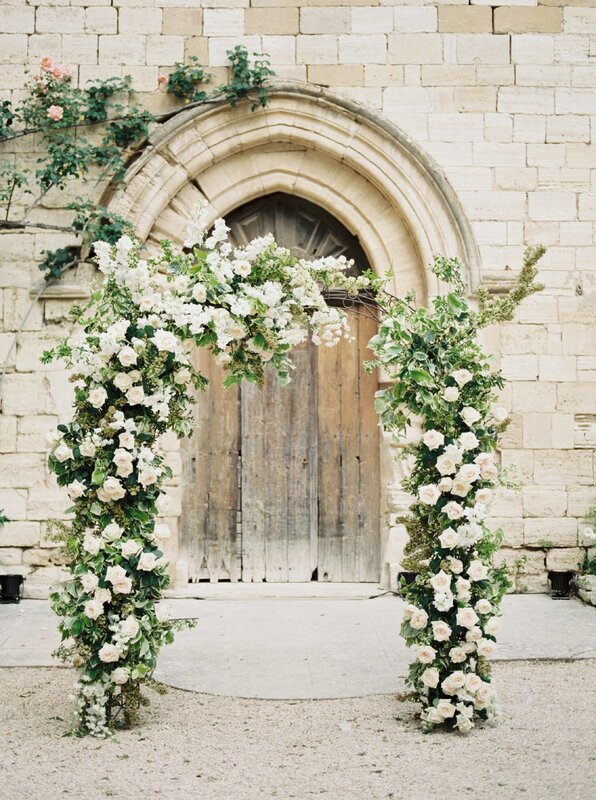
319 146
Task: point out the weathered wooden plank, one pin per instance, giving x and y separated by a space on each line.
369 484
253 423
329 460
351 534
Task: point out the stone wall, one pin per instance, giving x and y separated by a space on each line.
501 95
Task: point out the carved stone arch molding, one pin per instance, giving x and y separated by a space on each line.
320 146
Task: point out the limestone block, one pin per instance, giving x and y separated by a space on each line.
482 49
575 101
413 19
578 339
586 588
282 50
14 503
341 75
139 20
55 394
562 559
532 584
48 503
537 431
33 433
18 305
30 348
8 434
465 19
568 128
581 500
101 19
579 20
81 48
182 21
521 462
513 529
506 503
19 534
576 397
41 581
528 20
497 205
37 557
552 205
539 502
520 367
165 50
223 21
407 98
10 556
564 468
475 98
415 48
22 470
526 100
59 20
122 49
17 19
523 339
533 560
316 49
323 20
549 531
529 128
362 49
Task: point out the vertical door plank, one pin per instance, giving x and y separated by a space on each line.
369 483
350 453
254 460
329 460
274 478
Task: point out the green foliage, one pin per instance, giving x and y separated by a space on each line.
247 78
56 262
185 81
3 518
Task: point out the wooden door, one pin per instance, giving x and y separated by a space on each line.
281 483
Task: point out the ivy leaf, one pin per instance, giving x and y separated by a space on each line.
421 377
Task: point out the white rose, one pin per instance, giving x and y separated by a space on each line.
441 582
470 415
469 473
445 708
119 675
76 489
433 439
493 626
451 394
131 548
93 609
242 267
183 376
484 692
92 544
462 585
477 571
409 609
484 496
430 677
419 619
97 397
446 465
135 395
473 634
455 453
113 489
483 606
129 627
148 475
122 381
464 724
87 449
473 682
165 341
429 494
117 576
426 654
469 440
489 472
454 682
443 601
162 532
63 453
123 461
89 581
453 510
199 293
462 376
433 715
449 538
499 414
445 484
127 357
441 631
466 617
455 565
126 440
484 458
457 655
103 595
109 652
147 562
112 532
460 487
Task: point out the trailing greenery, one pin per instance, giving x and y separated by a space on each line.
443 380
87 136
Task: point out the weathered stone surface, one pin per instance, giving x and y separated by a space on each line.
549 531
19 534
38 583
564 559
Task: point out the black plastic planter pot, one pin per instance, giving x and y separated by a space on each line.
560 583
11 588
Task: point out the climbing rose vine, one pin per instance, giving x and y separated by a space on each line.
444 380
133 380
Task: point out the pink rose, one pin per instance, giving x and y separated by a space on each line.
57 71
55 113
161 79
46 63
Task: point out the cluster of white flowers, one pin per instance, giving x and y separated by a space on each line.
134 377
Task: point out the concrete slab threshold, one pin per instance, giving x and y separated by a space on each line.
306 647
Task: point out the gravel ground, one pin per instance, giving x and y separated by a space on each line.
206 747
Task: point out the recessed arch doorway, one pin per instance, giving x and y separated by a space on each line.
282 484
